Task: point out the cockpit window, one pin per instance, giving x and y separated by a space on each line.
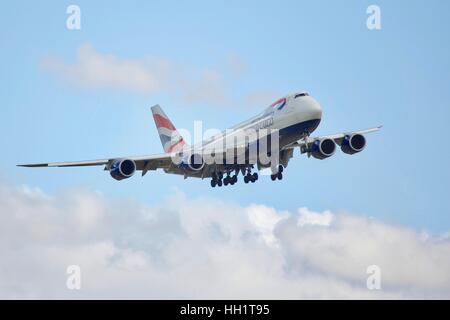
304 94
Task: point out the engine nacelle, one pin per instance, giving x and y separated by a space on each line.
122 169
353 143
194 162
322 149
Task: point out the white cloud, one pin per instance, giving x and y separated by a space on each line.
93 69
206 248
307 217
191 84
265 219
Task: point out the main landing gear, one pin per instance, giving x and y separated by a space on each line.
278 175
230 180
218 179
249 177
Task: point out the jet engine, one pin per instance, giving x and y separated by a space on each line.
323 148
122 169
353 143
194 162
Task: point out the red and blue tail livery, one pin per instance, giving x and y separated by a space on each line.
171 140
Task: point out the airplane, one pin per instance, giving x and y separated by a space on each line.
273 134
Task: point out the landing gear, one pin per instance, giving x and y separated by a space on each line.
249 177
216 179
278 175
230 179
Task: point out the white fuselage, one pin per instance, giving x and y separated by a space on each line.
298 116
292 117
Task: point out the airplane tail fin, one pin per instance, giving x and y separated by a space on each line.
171 140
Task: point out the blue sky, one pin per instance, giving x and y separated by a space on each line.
397 76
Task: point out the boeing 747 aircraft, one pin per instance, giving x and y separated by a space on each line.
267 140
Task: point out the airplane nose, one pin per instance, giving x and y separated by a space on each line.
314 109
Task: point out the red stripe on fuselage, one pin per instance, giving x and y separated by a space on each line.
163 122
278 102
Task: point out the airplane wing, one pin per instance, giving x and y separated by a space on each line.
67 164
336 137
143 163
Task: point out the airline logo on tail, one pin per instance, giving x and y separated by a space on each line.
171 140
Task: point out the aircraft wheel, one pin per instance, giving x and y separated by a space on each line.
255 176
235 179
219 183
213 183
273 177
225 181
280 168
280 176
245 179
